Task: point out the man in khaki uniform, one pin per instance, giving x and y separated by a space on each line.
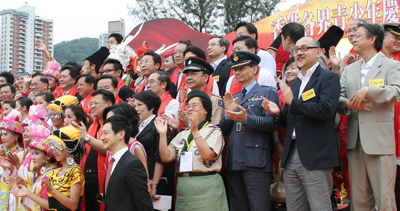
197 73
369 89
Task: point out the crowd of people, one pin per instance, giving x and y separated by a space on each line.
128 127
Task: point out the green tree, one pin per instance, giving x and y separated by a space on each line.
75 50
207 16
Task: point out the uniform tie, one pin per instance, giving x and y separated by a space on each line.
244 91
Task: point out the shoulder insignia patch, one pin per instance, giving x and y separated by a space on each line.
221 103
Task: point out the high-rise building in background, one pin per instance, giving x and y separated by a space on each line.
19 30
113 27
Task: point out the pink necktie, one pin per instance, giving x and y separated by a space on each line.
109 169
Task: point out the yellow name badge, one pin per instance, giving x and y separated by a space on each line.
377 82
216 77
308 95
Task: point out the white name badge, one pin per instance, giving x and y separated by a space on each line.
186 162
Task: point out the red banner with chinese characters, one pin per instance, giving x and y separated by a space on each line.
317 16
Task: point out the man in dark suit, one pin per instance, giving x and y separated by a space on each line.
125 187
311 150
249 129
216 49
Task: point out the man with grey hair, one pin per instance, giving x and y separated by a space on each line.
217 48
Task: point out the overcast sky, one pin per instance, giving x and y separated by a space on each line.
87 18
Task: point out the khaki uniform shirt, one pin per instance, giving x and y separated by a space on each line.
218 109
213 136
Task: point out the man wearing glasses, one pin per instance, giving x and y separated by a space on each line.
113 68
216 49
369 89
311 150
149 63
39 83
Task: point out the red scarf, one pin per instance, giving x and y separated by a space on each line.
165 99
59 92
117 99
142 86
87 100
121 83
175 77
101 169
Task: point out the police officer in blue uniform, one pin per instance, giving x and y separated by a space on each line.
250 145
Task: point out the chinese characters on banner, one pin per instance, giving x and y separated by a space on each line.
318 16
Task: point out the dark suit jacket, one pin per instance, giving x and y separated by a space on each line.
223 70
314 121
249 145
127 187
150 138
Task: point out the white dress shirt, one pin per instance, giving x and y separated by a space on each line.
172 108
216 63
304 81
365 67
267 61
117 157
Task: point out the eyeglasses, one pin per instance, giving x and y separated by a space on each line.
358 35
352 30
212 44
303 48
35 84
106 71
105 87
146 61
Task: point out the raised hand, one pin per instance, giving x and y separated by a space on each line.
194 119
286 91
237 116
21 191
13 159
230 103
334 59
81 127
270 107
183 94
12 181
359 97
131 101
161 125
183 117
350 58
172 122
40 45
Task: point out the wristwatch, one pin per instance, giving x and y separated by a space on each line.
86 138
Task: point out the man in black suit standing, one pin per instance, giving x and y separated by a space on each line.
125 187
217 48
311 150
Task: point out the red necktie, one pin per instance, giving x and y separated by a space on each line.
109 169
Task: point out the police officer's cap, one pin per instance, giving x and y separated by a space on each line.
394 28
242 58
198 64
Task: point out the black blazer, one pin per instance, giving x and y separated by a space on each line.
314 121
127 188
223 70
150 138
